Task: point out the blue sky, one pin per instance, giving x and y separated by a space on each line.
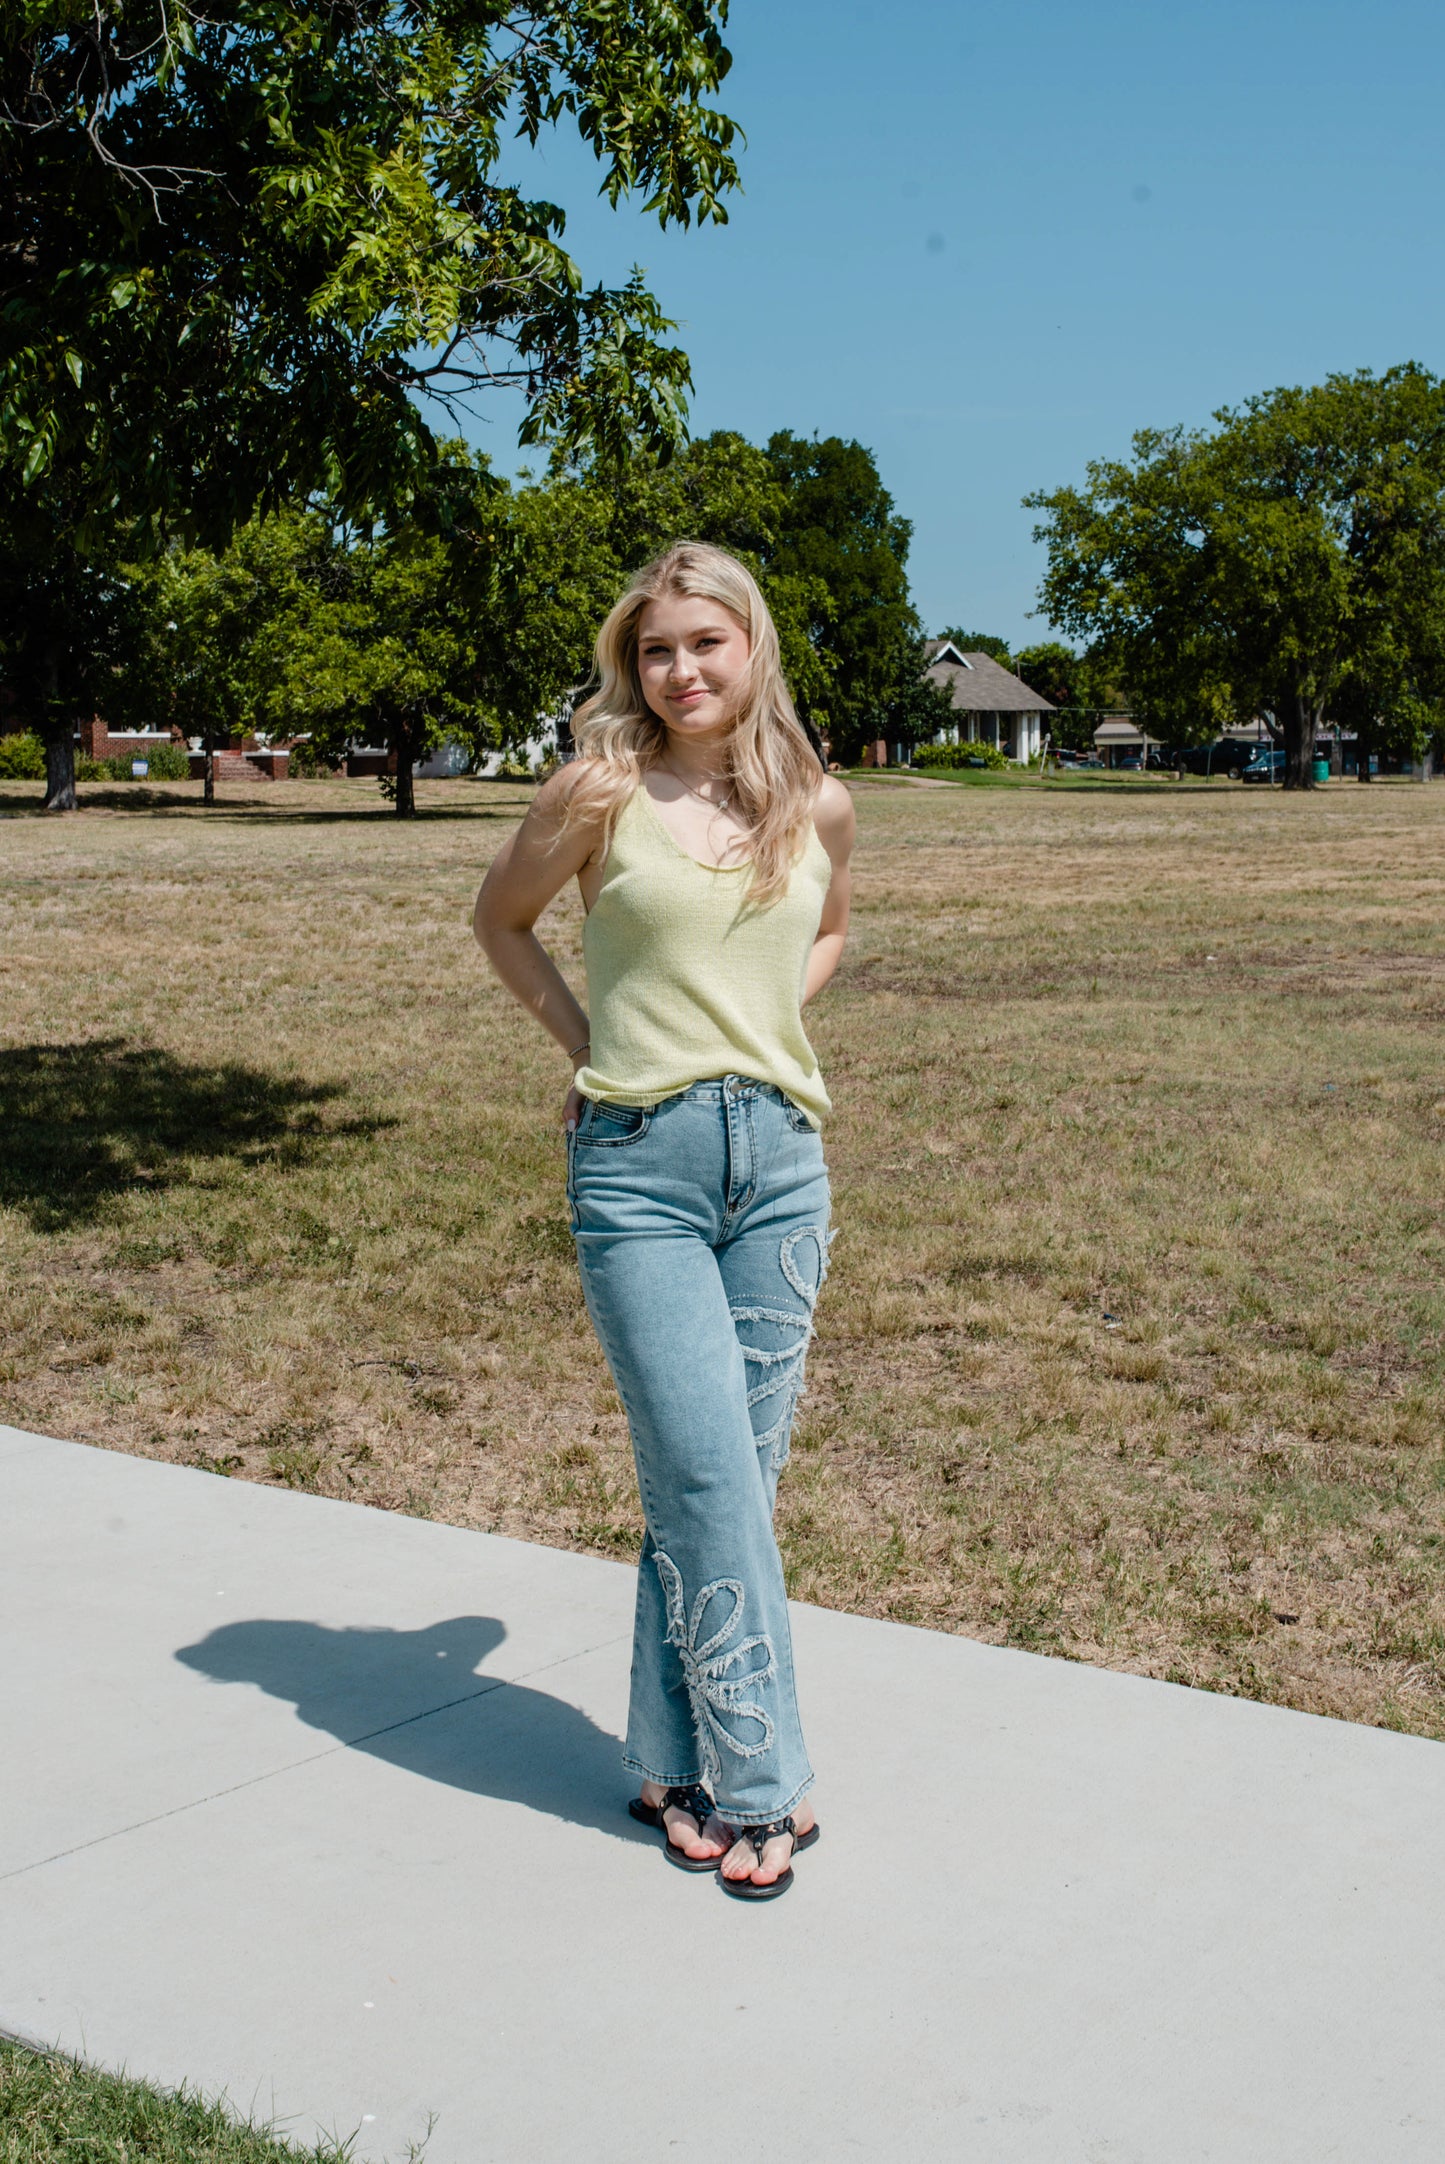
992 241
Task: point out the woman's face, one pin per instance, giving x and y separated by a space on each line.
692 658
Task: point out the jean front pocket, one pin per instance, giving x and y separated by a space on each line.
798 1119
573 1220
611 1127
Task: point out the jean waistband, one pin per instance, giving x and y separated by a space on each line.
722 1087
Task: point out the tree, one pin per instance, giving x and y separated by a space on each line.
1079 687
379 635
64 616
191 655
979 642
919 707
1256 570
304 623
841 540
1394 702
557 576
372 653
237 240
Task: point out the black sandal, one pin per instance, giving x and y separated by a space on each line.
757 1838
695 1800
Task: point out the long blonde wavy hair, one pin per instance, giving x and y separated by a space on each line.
774 770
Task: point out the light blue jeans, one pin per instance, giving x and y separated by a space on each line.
702 1237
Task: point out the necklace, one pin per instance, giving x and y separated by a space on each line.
714 804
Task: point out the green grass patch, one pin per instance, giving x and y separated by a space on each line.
55 2111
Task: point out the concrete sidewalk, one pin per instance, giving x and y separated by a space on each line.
322 1807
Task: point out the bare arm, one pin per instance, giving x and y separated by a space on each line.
834 819
528 872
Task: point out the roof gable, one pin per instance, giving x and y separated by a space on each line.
980 685
945 650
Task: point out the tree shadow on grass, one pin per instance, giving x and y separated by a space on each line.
415 1699
369 815
84 1123
139 801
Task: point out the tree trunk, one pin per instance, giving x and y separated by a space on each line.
60 771
59 736
208 787
1302 718
405 781
1362 752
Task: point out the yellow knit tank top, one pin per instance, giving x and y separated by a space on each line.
687 981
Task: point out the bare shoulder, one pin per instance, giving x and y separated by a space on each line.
548 847
553 802
833 817
558 790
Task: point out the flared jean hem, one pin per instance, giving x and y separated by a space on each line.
696 1780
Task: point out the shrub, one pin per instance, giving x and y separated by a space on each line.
167 762
22 757
965 754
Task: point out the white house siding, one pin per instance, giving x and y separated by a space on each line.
1021 735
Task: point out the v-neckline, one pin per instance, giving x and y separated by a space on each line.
686 854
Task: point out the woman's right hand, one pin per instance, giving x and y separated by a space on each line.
572 1109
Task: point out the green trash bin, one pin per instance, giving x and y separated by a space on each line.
1322 769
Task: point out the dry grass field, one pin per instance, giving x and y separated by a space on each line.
1132 1350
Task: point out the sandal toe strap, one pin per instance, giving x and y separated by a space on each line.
758 1837
694 1799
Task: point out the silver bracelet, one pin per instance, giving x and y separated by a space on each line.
585 1046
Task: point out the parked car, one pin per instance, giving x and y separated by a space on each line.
1227 755
1265 766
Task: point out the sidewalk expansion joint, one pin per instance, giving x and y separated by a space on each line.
489 1686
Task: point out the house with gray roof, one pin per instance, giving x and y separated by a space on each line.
991 706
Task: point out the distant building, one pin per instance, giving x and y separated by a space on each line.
1118 737
99 742
992 706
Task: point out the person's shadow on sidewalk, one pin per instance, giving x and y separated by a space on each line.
414 1698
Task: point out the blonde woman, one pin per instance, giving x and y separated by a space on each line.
711 851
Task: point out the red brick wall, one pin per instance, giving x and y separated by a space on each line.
99 742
